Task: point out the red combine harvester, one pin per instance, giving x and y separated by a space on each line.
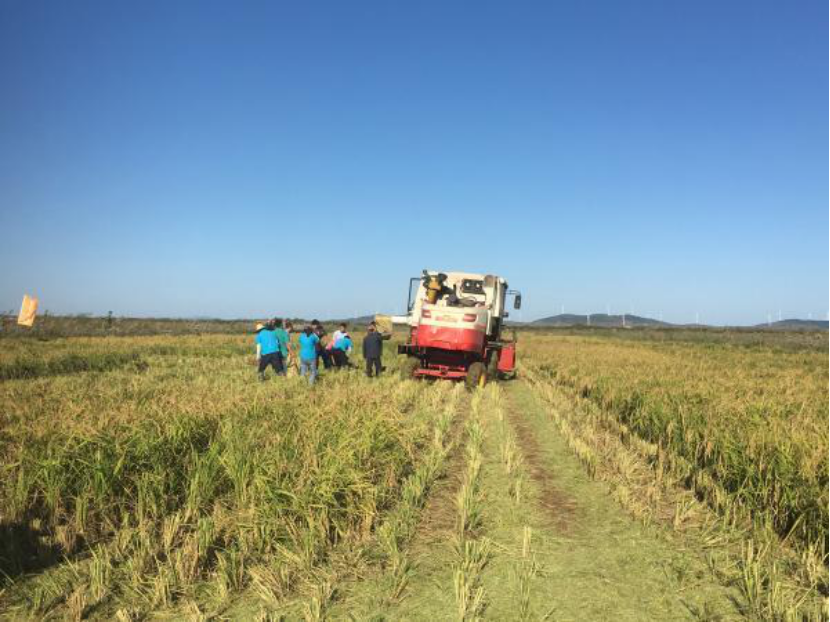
456 321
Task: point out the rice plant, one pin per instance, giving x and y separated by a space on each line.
526 570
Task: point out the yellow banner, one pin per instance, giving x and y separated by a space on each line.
28 310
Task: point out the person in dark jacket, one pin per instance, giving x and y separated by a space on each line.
373 350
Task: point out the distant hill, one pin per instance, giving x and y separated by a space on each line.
598 319
603 320
794 324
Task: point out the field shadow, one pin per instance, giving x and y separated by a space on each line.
23 550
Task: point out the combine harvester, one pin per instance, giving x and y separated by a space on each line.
456 321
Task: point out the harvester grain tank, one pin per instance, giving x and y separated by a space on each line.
456 327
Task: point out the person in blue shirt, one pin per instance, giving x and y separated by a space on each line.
268 351
308 354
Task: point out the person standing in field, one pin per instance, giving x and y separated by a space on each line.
283 341
373 349
267 351
308 354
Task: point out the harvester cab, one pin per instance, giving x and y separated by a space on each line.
456 322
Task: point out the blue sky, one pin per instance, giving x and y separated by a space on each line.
244 159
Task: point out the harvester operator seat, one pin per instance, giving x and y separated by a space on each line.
473 293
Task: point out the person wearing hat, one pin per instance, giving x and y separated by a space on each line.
268 351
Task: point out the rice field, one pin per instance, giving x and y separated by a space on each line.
153 474
163 472
743 417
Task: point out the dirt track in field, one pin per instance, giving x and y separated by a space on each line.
439 513
559 507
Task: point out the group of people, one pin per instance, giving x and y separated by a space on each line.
274 348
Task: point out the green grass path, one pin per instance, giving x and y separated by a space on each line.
588 560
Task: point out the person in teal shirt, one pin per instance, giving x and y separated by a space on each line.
268 351
308 354
282 338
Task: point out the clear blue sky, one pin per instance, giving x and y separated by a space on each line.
305 158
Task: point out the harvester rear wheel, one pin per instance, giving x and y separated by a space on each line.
408 367
493 366
476 376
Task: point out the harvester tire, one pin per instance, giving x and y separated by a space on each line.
476 376
408 367
493 366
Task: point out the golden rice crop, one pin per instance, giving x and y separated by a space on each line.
752 413
184 475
